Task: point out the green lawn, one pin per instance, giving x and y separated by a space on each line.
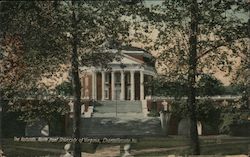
223 149
154 146
210 145
160 142
32 149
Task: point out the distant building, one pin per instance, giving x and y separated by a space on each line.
125 79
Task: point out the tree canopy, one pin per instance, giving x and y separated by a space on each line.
222 35
36 37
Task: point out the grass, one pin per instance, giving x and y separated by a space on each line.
176 141
32 149
162 142
219 145
20 152
210 145
224 149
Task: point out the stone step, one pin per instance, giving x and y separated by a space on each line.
119 115
118 106
112 127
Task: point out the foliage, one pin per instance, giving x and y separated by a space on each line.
234 89
30 23
160 87
179 109
205 40
227 120
37 38
215 115
64 88
14 127
44 32
209 86
222 33
233 113
153 86
32 110
207 110
175 88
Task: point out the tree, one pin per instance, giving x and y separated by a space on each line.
65 88
196 37
162 87
209 86
54 33
192 70
242 74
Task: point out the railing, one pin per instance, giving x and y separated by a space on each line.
219 97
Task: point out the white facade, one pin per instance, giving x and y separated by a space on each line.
124 80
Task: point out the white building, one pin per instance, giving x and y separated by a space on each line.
125 79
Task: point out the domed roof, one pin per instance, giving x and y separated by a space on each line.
135 50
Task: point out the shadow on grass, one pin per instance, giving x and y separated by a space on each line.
32 149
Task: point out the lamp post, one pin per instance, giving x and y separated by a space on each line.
116 103
165 116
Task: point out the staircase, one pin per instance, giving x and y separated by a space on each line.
118 106
119 127
119 119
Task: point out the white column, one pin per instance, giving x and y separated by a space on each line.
83 86
86 91
122 86
132 85
112 85
94 85
103 85
141 85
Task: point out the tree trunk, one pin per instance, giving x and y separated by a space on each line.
191 78
76 87
248 70
1 113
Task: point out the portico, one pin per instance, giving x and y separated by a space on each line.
118 85
124 80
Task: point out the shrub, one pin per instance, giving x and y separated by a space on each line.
234 114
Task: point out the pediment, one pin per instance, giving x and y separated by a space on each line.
126 59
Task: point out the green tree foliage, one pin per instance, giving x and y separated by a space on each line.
198 36
243 72
209 86
207 110
215 116
161 87
222 34
37 38
208 113
234 89
35 109
64 88
235 112
44 31
62 32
